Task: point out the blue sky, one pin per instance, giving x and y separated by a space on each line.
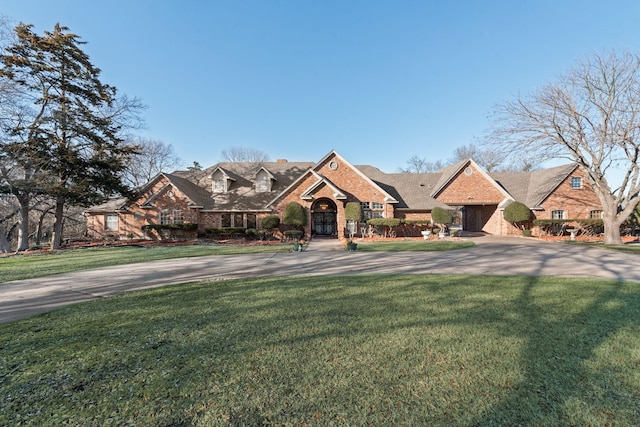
378 81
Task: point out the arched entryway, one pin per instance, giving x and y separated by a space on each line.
324 218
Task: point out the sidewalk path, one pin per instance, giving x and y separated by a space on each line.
493 255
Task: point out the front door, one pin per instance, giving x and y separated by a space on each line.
324 218
324 223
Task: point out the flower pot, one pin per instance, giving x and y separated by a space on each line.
352 246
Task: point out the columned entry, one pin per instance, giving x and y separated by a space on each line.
324 218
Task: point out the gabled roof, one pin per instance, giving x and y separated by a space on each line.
227 173
322 180
388 197
269 174
198 196
449 173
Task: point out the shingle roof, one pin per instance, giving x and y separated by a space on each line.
112 205
242 194
413 191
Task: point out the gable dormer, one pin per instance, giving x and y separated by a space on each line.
264 180
221 181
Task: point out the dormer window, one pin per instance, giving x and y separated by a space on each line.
221 181
218 184
264 180
263 184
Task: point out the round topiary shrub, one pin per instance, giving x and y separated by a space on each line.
294 214
518 214
270 222
441 216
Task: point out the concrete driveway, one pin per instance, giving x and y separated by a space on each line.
492 255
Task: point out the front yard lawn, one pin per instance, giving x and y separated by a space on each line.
27 266
433 350
413 245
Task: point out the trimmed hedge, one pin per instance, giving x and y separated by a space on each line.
183 227
385 222
293 234
398 227
225 231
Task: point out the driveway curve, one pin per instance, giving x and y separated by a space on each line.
492 255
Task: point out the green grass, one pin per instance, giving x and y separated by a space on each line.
414 245
26 266
628 248
355 350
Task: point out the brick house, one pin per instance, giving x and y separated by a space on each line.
241 194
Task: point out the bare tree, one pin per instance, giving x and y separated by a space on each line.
243 154
153 157
488 158
417 164
590 116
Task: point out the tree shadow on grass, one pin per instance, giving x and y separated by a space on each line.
560 379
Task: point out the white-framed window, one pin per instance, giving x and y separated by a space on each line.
218 185
596 214
557 214
377 210
262 184
372 210
111 222
171 216
576 182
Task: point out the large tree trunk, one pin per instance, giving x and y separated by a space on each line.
4 244
23 226
611 229
56 237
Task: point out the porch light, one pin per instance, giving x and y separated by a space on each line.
324 206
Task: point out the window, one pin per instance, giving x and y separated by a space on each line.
251 221
596 214
377 210
111 222
576 182
557 214
171 216
225 220
238 220
218 185
372 210
262 185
